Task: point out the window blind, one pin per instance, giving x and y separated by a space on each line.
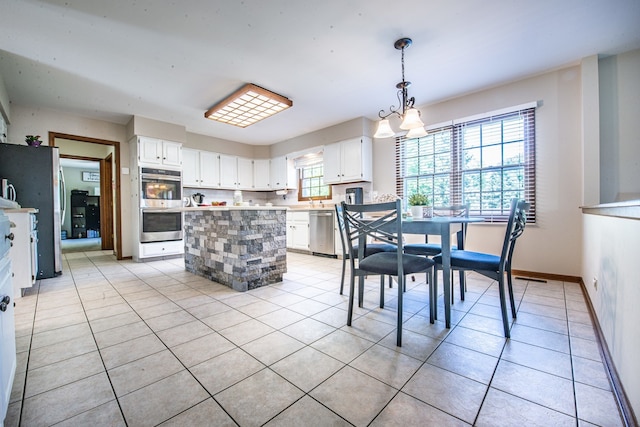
485 162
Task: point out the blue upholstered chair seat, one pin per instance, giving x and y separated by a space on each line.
424 249
472 260
387 263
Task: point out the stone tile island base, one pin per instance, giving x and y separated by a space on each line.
243 248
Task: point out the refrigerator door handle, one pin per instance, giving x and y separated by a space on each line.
63 195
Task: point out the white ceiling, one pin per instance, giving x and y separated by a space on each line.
171 61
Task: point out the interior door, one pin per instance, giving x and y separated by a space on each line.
106 205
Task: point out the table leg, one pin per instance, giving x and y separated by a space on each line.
445 244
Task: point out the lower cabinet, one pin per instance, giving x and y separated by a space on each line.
24 253
298 230
7 320
158 249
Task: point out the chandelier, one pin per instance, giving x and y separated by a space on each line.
409 115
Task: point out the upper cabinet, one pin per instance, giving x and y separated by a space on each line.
348 161
282 174
200 168
261 174
236 172
157 152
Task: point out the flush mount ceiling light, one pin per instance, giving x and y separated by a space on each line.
409 115
248 105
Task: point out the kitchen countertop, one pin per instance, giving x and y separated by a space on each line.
20 210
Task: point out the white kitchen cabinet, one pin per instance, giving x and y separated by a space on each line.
298 230
245 173
261 174
282 174
24 254
158 249
200 168
209 169
236 172
7 319
348 161
157 152
228 171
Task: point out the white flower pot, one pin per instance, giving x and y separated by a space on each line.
421 212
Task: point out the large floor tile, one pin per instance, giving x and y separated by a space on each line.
257 399
406 411
536 386
443 390
307 368
67 401
207 413
353 395
162 400
504 410
307 412
142 372
64 372
222 371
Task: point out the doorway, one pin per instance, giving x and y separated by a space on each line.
107 154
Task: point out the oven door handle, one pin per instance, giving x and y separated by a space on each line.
161 210
161 177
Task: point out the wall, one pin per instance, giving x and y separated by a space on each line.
610 254
39 121
610 245
552 245
346 130
619 79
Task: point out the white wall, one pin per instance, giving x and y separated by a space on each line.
39 121
611 245
553 244
619 91
610 254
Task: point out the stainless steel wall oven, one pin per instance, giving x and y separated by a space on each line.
160 188
160 191
159 225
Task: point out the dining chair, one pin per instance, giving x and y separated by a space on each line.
371 248
432 249
381 222
492 266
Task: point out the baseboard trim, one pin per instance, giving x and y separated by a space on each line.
547 276
628 416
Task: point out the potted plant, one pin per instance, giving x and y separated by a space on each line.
33 140
420 206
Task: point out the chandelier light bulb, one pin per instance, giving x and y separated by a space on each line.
384 130
411 120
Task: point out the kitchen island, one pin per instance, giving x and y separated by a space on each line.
243 247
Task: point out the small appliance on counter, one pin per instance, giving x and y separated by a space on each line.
197 199
354 196
7 190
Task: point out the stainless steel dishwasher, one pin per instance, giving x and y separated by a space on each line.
321 232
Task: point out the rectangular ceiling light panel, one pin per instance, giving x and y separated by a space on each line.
248 105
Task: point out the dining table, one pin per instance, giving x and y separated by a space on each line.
443 226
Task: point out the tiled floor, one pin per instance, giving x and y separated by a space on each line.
137 344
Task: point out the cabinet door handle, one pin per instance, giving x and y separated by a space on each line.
5 303
9 236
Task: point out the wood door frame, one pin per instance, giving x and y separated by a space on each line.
118 197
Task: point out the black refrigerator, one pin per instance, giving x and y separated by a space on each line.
36 175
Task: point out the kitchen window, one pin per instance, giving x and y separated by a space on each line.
483 161
311 184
